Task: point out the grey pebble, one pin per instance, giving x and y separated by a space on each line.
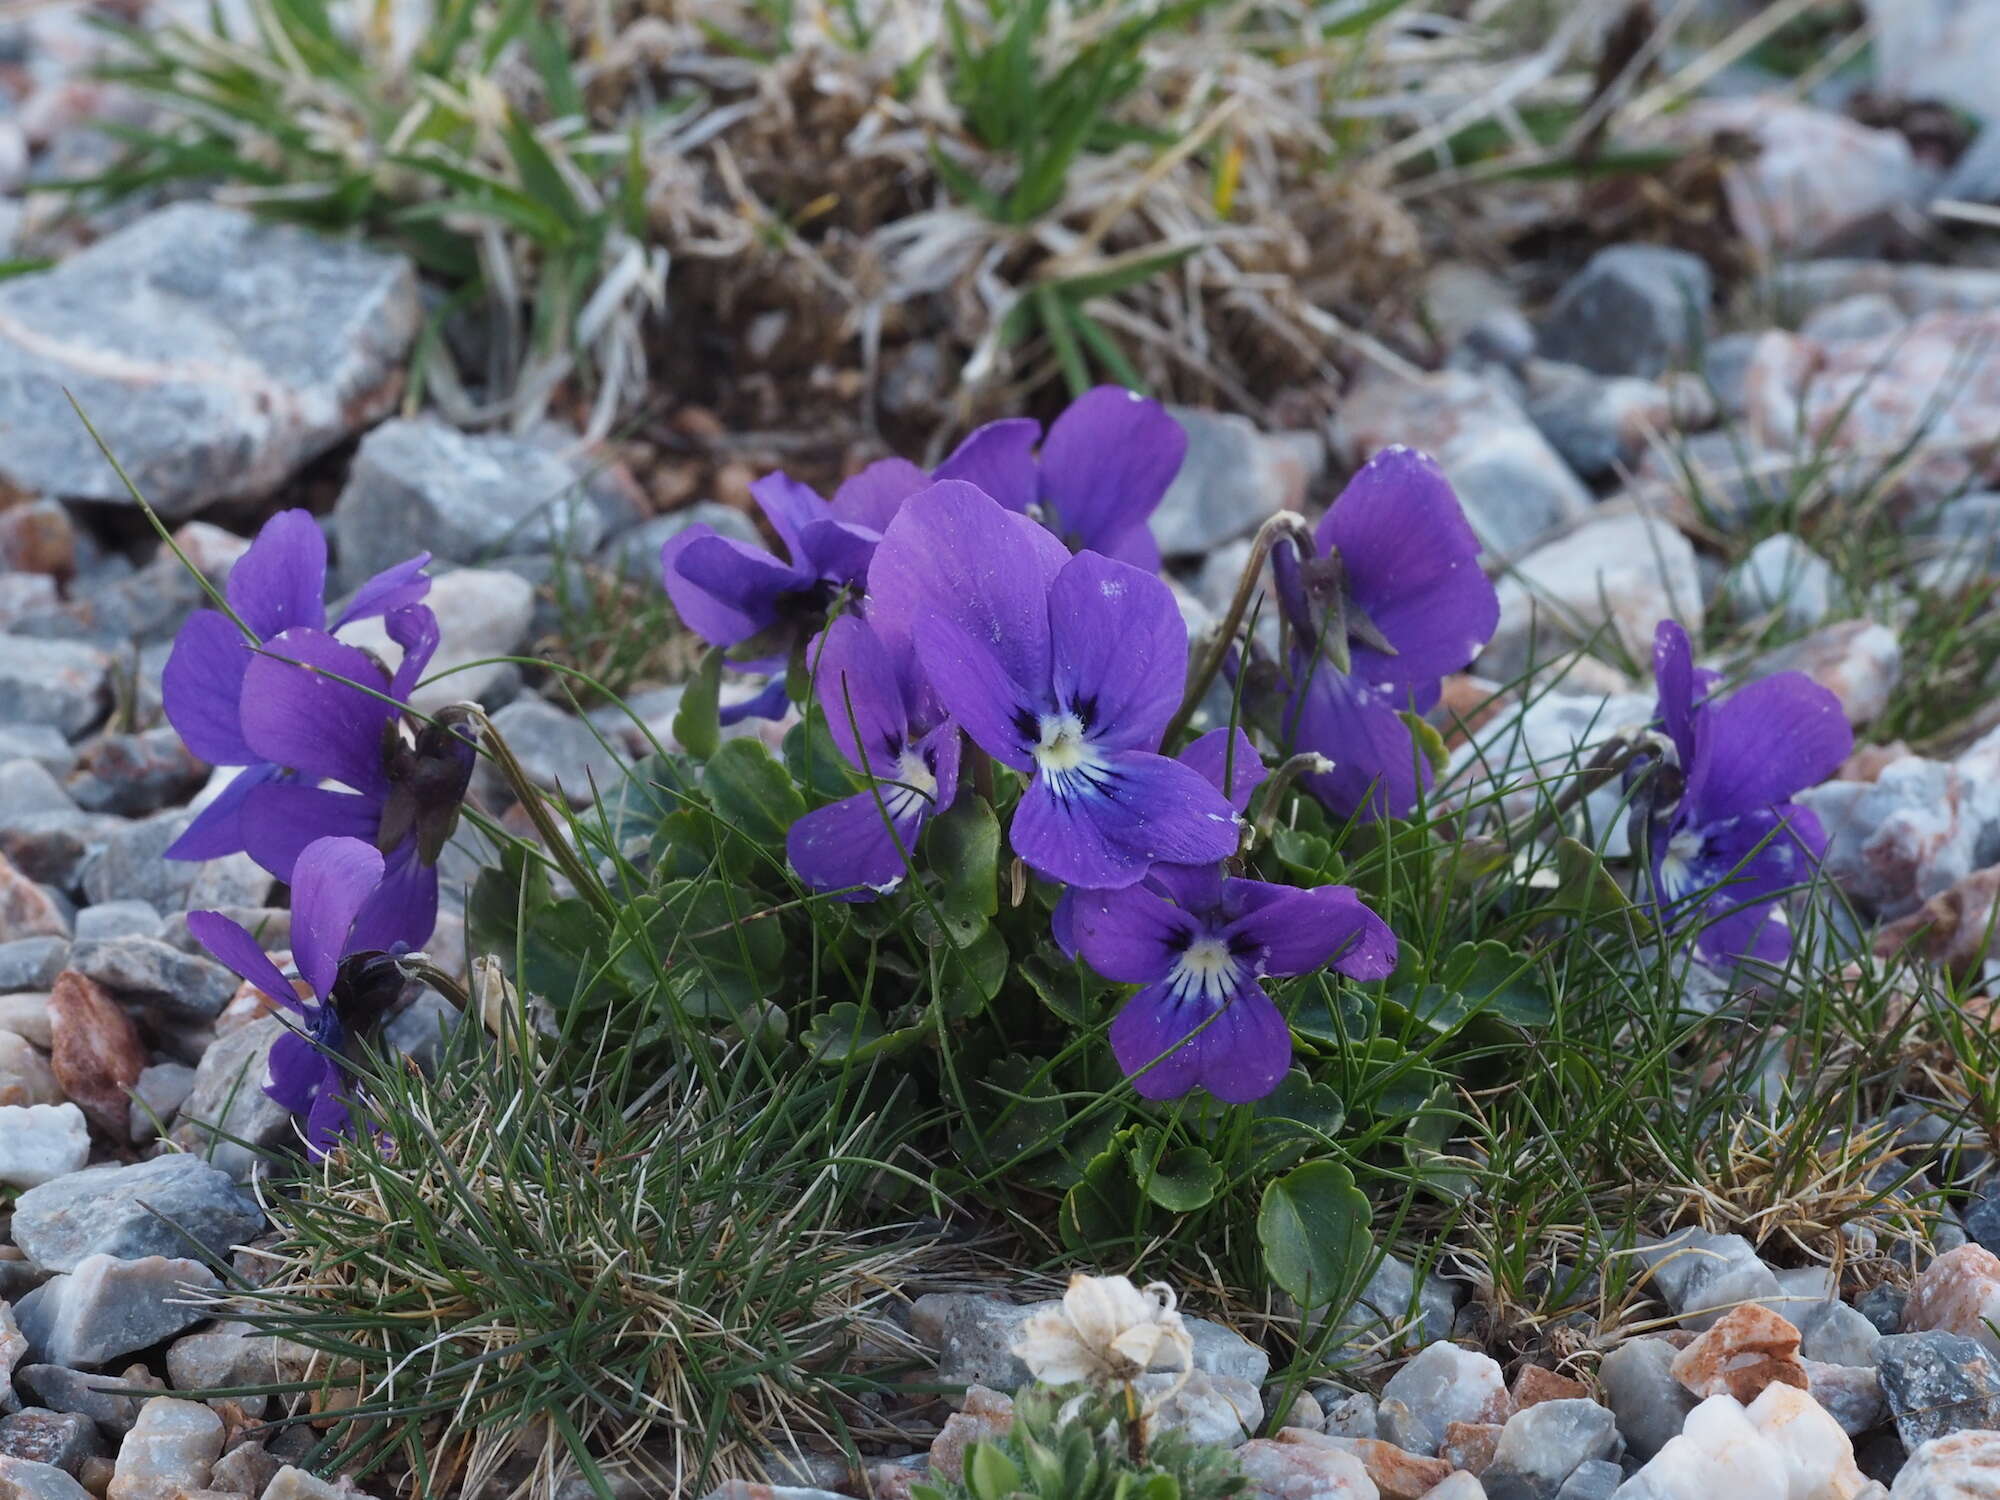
164 1206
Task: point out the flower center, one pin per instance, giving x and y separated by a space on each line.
914 787
1206 968
1677 866
1063 747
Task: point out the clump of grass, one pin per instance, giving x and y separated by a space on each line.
464 145
522 1281
614 634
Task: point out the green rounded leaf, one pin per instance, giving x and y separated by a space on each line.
1313 1227
1181 1181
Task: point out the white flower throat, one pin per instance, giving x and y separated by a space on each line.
914 787
1677 864
1205 969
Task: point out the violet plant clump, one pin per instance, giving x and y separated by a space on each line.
1157 939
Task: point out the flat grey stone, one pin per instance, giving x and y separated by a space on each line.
136 774
31 963
1596 1479
29 786
1632 310
41 743
148 971
129 864
1835 1334
164 1206
1542 1446
228 1119
1883 1306
61 1439
1937 1383
1782 574
1648 1403
116 919
636 554
1233 479
53 847
1701 1276
558 751
419 1029
422 485
63 684
161 1090
108 1307
24 1479
215 353
60 1388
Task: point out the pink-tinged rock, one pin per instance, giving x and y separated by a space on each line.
1916 287
26 909
1398 1475
1850 1394
1873 397
1911 833
1858 661
1781 366
37 537
1958 1292
213 550
97 1056
987 1414
1951 929
1814 176
1962 1466
215 353
25 1075
1628 570
1747 1349
1292 1471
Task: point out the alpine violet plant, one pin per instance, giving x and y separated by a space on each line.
1067 669
1389 601
1723 838
279 584
351 985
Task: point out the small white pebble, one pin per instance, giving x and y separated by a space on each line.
41 1142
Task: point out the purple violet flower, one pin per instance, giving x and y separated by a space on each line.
1228 762
1102 470
1397 578
278 585
888 724
1726 849
1066 668
730 592
1200 943
351 986
327 711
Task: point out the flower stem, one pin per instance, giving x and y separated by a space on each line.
1284 524
1305 763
